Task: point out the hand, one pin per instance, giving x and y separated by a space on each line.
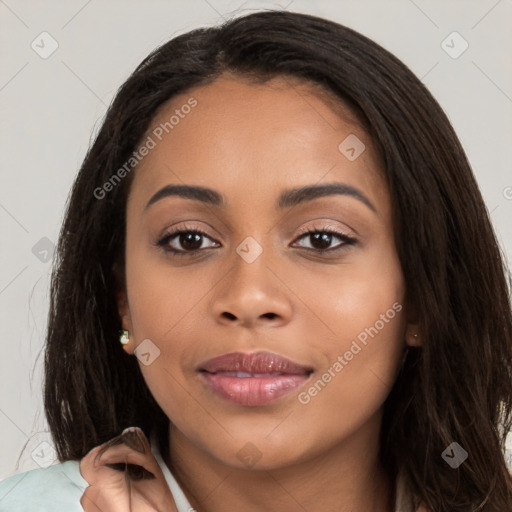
124 476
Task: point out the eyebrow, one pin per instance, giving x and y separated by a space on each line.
287 199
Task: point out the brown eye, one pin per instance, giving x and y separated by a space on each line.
322 240
183 242
190 241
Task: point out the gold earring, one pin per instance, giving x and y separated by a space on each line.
124 337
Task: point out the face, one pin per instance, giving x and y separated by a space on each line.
311 279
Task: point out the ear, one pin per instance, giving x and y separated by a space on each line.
412 331
123 308
126 320
413 336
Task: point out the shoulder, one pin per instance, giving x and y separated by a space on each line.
57 488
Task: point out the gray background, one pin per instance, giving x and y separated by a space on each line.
50 107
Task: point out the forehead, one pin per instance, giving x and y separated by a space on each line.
244 136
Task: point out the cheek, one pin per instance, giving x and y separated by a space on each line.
165 308
162 298
351 297
362 312
350 389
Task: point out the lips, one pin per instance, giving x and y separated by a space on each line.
253 379
262 363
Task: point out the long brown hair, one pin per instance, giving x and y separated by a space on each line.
456 388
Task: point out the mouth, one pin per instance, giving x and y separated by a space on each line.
253 379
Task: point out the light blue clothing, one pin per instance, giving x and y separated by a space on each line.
58 488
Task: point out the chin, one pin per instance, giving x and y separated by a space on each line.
260 454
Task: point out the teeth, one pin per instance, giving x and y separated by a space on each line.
244 375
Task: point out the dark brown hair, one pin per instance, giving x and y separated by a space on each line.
457 387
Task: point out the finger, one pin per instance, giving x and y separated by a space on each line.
109 489
98 498
130 447
154 494
135 450
119 457
124 471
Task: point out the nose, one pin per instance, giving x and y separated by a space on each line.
251 295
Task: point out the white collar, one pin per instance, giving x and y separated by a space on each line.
178 495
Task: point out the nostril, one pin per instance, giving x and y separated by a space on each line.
269 315
229 315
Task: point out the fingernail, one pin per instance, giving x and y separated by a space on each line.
134 438
131 429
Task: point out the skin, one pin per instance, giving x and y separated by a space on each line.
112 490
250 142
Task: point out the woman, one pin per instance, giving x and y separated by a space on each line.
277 264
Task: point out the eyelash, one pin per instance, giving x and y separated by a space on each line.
164 241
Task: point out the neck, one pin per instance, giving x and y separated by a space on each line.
346 477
